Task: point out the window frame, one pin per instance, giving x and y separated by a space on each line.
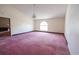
44 26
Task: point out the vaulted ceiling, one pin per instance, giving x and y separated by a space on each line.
42 11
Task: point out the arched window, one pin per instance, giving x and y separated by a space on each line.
43 26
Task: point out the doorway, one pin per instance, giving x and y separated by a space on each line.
5 29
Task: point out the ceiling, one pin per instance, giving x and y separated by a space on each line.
42 11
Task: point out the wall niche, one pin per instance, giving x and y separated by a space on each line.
5 26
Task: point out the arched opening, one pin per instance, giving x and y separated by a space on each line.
43 26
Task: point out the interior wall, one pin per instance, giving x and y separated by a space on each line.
72 28
54 25
19 22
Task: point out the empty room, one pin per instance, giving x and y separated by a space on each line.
39 29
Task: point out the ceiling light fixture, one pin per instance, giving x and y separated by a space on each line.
34 16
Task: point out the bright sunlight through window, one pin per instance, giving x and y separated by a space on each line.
43 26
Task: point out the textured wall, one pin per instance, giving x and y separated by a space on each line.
19 22
54 25
72 28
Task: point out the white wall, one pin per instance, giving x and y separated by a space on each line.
54 25
72 28
19 22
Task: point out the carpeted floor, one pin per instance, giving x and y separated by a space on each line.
34 43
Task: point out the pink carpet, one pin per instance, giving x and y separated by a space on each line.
34 43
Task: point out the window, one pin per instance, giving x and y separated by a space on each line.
43 26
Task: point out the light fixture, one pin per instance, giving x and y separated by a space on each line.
34 15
